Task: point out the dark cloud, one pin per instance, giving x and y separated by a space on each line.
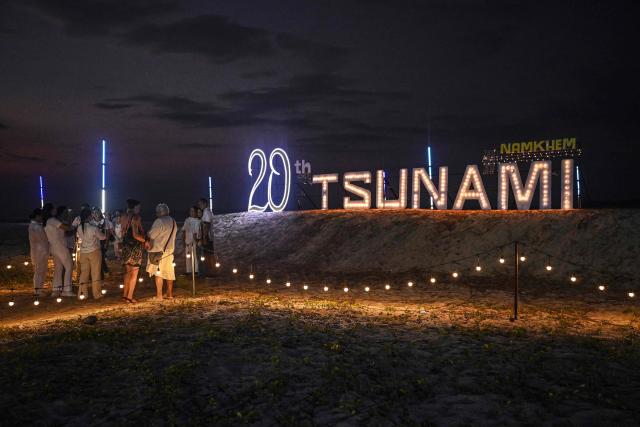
3 126
309 90
102 17
201 146
215 37
320 55
350 138
258 74
113 105
378 128
301 103
197 114
489 40
13 156
221 41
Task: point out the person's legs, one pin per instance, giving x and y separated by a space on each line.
95 259
103 251
39 262
188 253
67 263
159 283
125 280
57 274
169 288
133 279
85 274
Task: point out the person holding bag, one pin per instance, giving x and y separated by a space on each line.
160 245
90 237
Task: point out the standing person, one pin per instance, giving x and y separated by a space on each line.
90 237
117 231
133 241
160 245
207 237
103 223
39 248
191 239
199 213
66 215
76 222
63 264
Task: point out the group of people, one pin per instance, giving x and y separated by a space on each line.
53 231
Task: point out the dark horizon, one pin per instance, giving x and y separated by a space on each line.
184 90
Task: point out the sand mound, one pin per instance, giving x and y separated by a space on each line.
400 241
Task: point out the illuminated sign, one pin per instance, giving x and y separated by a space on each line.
271 165
358 194
537 146
471 188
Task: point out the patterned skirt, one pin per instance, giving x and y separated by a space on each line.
132 252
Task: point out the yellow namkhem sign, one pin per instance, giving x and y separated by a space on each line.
542 145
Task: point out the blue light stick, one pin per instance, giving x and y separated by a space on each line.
430 174
41 193
210 195
104 165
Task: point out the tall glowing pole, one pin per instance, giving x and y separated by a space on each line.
578 185
41 193
103 191
210 195
430 174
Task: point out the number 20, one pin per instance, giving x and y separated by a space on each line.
277 152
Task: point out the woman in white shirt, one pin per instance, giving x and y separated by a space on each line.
39 248
191 230
90 238
54 229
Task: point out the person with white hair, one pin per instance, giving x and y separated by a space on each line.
160 244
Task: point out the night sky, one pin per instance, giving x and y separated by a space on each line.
183 90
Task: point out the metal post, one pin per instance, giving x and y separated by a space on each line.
193 269
516 281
